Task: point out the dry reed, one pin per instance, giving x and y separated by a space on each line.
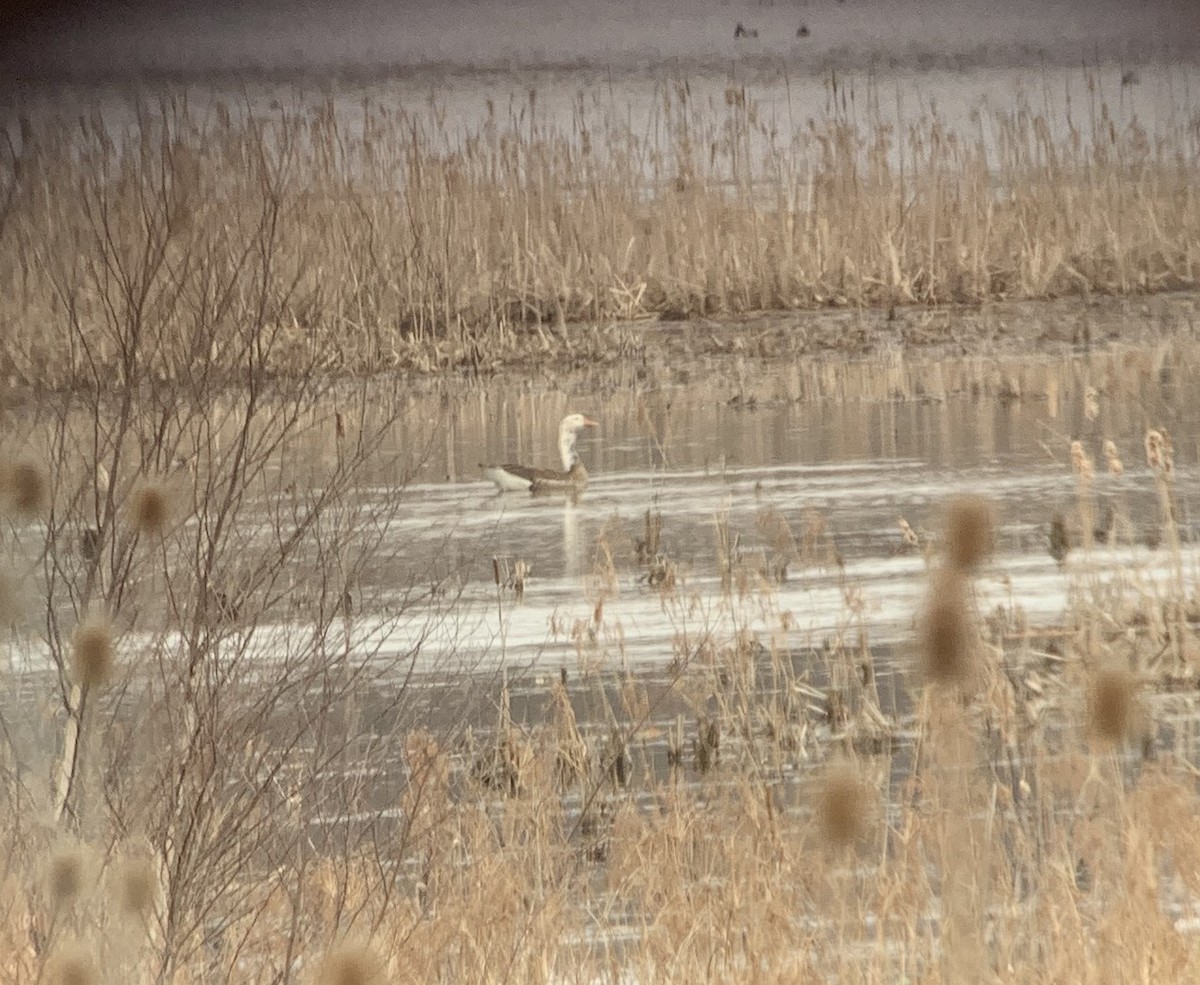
432 241
11 607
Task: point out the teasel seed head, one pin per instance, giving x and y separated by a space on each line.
1112 705
24 488
93 651
351 964
150 509
969 532
946 637
842 806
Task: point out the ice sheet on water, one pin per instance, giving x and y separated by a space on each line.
549 626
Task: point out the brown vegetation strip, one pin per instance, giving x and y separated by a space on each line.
399 241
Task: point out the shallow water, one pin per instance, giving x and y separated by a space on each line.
806 468
773 448
811 465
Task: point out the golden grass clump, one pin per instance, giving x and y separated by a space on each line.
945 631
71 965
1112 705
64 875
92 651
351 964
23 488
150 509
135 886
843 805
969 532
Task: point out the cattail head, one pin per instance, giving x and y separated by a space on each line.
64 874
23 488
351 964
1112 705
150 509
1113 459
1081 462
92 651
842 806
945 631
969 532
135 886
1159 451
71 964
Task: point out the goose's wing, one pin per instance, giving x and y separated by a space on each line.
547 481
520 477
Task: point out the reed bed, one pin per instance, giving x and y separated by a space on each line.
1018 808
406 239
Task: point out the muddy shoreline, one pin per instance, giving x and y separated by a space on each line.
1048 327
655 350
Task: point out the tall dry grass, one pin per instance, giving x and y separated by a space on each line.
409 240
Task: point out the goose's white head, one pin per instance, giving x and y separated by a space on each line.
571 425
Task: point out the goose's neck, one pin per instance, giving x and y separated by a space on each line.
566 448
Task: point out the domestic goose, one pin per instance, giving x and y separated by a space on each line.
527 478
